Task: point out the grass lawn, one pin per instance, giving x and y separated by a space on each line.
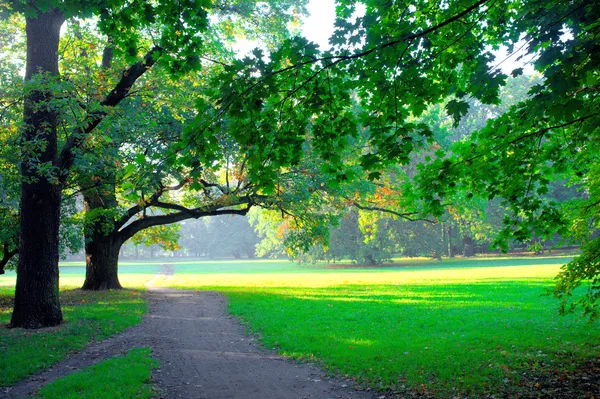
452 328
455 327
88 316
120 377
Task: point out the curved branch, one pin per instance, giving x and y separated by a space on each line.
120 91
158 220
131 212
7 256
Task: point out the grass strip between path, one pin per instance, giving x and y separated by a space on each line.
127 376
88 316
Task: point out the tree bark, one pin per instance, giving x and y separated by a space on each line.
36 296
102 263
102 242
449 235
468 246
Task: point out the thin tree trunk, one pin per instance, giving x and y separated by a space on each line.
36 296
450 249
444 240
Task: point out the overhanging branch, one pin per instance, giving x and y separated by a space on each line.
7 255
405 216
196 213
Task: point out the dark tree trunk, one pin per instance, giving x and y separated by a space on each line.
102 263
468 246
102 242
449 235
36 296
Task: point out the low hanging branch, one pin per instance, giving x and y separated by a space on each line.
7 255
131 229
134 210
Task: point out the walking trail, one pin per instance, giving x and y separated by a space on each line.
203 353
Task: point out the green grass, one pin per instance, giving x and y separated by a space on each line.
120 377
88 316
461 327
457 327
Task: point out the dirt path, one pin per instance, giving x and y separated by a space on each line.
203 353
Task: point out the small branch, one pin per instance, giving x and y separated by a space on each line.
525 136
405 216
7 256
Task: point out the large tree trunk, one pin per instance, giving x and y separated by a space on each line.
36 296
102 241
102 263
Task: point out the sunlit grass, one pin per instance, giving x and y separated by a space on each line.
460 326
293 275
444 328
88 316
120 377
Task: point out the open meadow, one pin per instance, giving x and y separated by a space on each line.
457 327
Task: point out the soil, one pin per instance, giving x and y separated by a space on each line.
203 353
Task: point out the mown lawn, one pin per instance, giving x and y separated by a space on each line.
88 316
450 328
474 327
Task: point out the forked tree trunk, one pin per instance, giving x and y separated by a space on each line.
36 296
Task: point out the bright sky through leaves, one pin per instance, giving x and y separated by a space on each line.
318 27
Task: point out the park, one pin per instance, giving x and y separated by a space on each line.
465 327
299 199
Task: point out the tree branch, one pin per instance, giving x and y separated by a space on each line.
335 59
158 220
7 256
406 216
540 132
121 90
131 212
391 43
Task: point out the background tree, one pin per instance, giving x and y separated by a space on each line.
399 58
142 132
543 140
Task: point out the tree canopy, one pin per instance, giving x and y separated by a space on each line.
399 59
309 131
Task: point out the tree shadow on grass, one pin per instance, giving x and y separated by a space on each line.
470 338
88 316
